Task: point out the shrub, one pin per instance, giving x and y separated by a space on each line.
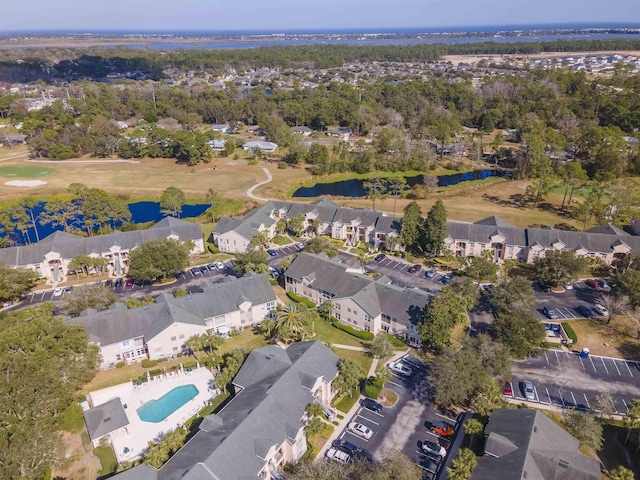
119 364
146 363
72 419
569 331
335 422
298 299
155 372
212 248
255 161
361 334
396 342
409 258
372 388
282 165
180 292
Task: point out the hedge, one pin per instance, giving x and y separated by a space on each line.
146 363
212 248
570 333
396 342
372 388
302 300
361 334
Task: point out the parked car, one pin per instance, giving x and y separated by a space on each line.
272 252
600 310
544 285
338 455
568 285
118 282
360 430
446 278
592 284
372 405
220 266
432 272
432 447
204 269
7 304
414 269
108 283
507 390
346 447
129 282
529 392
212 267
442 428
196 271
380 257
550 313
273 271
68 289
399 368
300 245
57 292
585 311
603 283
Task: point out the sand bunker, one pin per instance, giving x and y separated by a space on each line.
25 183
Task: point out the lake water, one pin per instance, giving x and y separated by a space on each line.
141 212
355 187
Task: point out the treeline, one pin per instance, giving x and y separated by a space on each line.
97 62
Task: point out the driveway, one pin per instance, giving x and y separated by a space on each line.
566 380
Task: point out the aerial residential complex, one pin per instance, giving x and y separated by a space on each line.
503 240
161 330
364 303
50 257
262 427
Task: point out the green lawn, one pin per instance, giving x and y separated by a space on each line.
361 358
107 459
246 339
281 240
24 171
347 402
327 333
316 442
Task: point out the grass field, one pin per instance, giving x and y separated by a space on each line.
24 171
617 339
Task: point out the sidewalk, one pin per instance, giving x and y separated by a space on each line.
342 423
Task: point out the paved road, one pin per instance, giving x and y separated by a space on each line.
251 189
566 380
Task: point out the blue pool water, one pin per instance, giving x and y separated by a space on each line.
155 411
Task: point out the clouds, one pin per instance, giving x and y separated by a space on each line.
217 15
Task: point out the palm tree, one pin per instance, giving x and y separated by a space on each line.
291 321
327 309
212 341
194 344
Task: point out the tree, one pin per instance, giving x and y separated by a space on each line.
291 321
314 427
441 314
158 259
214 200
481 268
158 453
314 410
88 296
251 261
44 362
473 427
320 245
462 465
259 240
411 221
603 405
520 332
375 189
434 229
585 427
513 293
194 343
381 346
572 175
627 284
15 282
614 304
621 473
171 201
296 225
398 187
29 204
632 419
384 375
349 377
559 265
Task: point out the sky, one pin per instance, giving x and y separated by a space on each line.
296 15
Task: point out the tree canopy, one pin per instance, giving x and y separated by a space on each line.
15 282
158 259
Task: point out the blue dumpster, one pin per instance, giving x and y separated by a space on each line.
585 353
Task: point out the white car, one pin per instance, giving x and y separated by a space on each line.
57 292
360 430
219 265
338 455
529 392
432 447
300 245
7 304
600 310
399 368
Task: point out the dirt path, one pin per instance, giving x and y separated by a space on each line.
80 462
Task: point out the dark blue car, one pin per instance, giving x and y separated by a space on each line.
272 252
585 311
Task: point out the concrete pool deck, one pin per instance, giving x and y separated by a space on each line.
136 436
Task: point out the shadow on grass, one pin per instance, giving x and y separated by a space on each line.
630 350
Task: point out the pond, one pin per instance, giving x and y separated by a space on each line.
141 212
355 187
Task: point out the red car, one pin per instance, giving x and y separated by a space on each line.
507 391
129 282
592 283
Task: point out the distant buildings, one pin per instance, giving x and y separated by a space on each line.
266 147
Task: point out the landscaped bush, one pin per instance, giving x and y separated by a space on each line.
119 364
212 248
372 388
157 371
282 165
302 300
146 363
409 257
396 342
180 292
361 334
569 331
255 161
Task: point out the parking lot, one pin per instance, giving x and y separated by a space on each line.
397 271
566 303
567 380
405 426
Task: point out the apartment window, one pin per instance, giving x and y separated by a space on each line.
367 328
386 318
126 343
118 357
367 318
483 245
173 339
337 315
181 336
141 351
355 312
175 349
337 306
349 310
385 328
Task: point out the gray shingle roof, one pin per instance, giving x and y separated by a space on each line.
495 221
105 418
71 245
482 233
267 411
118 324
529 445
139 472
608 229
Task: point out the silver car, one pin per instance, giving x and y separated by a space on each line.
529 392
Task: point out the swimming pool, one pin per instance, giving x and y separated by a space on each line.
155 411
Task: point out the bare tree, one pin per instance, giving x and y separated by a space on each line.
615 305
603 405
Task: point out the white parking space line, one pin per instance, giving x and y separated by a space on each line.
570 313
358 436
42 297
574 399
557 358
396 383
367 419
593 364
429 432
626 364
586 400
546 358
625 405
562 398
582 363
549 396
603 364
535 393
615 364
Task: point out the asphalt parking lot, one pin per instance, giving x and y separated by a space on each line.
397 271
565 303
405 425
566 380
